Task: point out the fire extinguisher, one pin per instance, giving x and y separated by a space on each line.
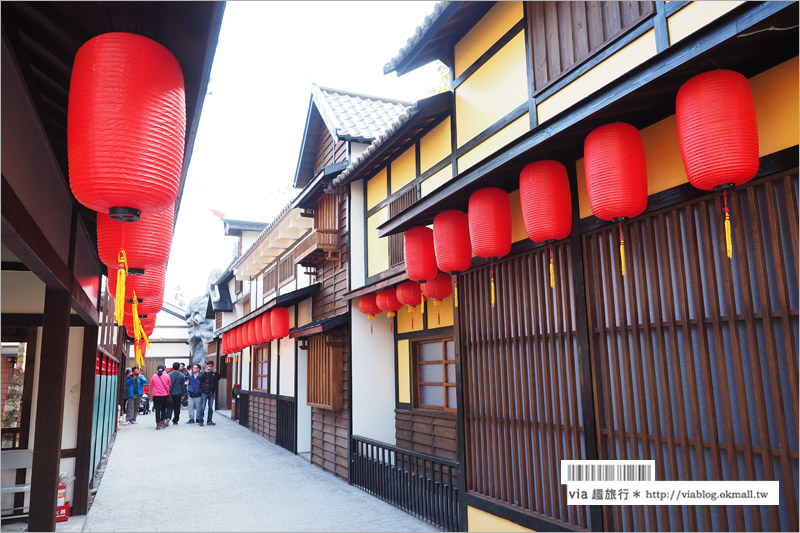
62 493
62 505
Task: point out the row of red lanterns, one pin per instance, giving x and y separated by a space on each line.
273 324
126 128
408 293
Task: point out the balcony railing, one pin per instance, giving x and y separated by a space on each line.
319 246
420 484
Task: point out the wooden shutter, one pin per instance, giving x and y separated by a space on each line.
324 373
396 241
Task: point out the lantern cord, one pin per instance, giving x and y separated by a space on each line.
552 275
492 274
137 323
119 298
139 358
455 291
728 243
621 249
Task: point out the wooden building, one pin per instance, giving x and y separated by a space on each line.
690 359
54 303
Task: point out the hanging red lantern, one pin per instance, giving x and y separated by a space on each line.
490 225
718 134
150 305
224 341
150 283
409 293
279 321
546 204
250 332
438 289
266 327
616 175
146 243
126 126
239 344
419 254
387 301
452 245
368 305
258 325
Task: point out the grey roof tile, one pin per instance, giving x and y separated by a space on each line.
419 32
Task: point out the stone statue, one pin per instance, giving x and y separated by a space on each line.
201 329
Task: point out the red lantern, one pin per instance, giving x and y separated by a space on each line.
490 225
150 305
387 301
239 344
616 175
409 293
718 134
452 245
279 320
149 326
146 243
126 126
250 332
546 204
258 324
148 284
419 254
438 289
266 327
368 305
224 341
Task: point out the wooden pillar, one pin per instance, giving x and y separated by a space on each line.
83 466
50 411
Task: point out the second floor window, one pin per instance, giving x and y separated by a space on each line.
261 369
436 375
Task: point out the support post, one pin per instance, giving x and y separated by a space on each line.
83 466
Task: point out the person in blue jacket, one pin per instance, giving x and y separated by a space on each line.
195 395
133 385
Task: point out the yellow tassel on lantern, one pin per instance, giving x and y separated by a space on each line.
552 274
728 241
138 330
455 292
492 273
621 249
139 356
119 298
422 305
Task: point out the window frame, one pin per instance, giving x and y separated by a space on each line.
445 384
262 356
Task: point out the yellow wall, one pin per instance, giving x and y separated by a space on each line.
694 16
482 521
435 181
518 232
775 93
403 377
376 189
435 145
445 313
493 91
485 33
604 72
404 320
495 142
404 169
377 248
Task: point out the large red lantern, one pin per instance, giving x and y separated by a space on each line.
546 204
126 126
279 321
250 332
419 254
437 289
148 284
490 225
150 305
410 294
266 327
616 175
146 243
452 245
387 301
258 324
239 344
368 305
224 341
718 134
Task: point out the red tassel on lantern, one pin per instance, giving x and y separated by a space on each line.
419 254
409 293
279 320
126 125
368 305
616 175
438 289
546 204
718 134
490 225
452 245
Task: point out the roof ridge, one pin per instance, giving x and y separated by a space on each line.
407 103
419 32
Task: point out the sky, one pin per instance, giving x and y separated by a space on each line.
248 139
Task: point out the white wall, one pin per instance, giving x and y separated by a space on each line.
357 223
273 366
287 366
23 292
303 409
247 362
373 377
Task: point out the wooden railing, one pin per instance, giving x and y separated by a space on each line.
325 240
420 484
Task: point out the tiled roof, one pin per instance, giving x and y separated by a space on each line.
269 227
356 117
419 33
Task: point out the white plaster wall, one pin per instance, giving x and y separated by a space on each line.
35 399
273 366
373 378
287 367
304 312
357 229
259 291
247 357
356 149
72 389
303 409
23 292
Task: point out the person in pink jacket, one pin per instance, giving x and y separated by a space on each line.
159 385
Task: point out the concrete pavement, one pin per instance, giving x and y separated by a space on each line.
226 478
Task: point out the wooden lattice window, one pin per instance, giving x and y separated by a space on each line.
261 369
324 373
286 267
397 205
436 375
270 280
218 320
326 213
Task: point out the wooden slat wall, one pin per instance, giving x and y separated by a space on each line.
428 432
263 417
519 361
396 242
564 34
326 212
324 374
286 268
328 151
328 300
694 356
329 429
270 281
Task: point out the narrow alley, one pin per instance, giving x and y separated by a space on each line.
235 481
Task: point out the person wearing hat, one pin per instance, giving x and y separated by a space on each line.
159 388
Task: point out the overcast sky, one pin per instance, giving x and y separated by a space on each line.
248 140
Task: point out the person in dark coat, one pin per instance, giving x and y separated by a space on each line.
209 379
177 390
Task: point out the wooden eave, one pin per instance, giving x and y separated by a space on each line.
641 97
283 300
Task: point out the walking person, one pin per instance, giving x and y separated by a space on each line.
177 390
208 388
195 396
159 387
134 384
125 398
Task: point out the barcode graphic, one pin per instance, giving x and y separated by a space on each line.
636 470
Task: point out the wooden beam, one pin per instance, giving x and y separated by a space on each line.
83 466
50 393
30 320
15 266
